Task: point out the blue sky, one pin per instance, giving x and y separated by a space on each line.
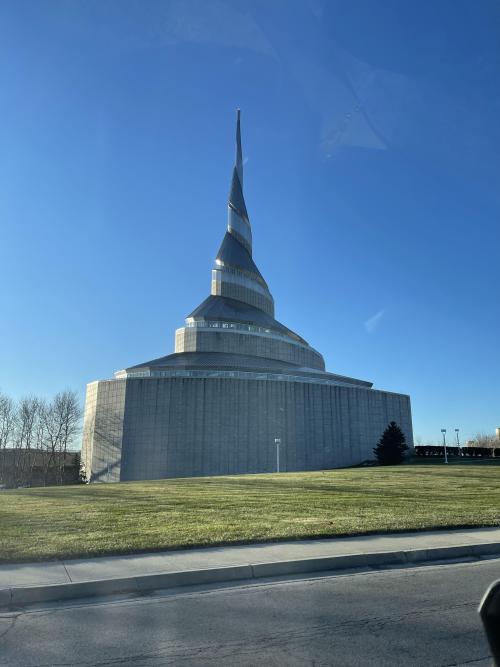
372 181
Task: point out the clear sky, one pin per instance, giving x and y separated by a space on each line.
372 140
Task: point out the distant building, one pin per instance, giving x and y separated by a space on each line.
239 387
37 467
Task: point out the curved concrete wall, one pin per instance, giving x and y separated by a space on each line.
193 339
178 427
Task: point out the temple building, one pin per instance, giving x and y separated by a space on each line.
242 393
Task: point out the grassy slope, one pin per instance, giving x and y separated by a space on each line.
117 518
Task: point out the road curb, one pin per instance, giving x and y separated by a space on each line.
19 596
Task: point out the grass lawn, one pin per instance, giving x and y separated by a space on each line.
71 521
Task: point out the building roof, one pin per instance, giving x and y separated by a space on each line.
241 362
222 360
224 309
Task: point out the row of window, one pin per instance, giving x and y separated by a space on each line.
243 375
236 326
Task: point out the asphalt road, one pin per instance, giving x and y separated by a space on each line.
413 616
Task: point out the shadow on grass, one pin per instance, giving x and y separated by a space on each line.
96 553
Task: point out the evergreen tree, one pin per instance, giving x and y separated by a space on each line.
391 446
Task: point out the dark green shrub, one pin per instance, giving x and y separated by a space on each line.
391 446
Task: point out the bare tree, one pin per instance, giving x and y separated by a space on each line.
71 414
29 438
36 438
7 425
61 422
485 440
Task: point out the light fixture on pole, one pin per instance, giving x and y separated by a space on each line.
277 442
443 431
458 441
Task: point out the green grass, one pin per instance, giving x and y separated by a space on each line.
73 521
454 461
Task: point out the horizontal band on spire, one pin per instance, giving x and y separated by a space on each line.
233 253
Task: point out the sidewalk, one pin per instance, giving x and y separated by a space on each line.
33 582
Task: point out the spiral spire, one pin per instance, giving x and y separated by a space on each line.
235 274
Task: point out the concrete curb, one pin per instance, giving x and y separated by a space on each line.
23 595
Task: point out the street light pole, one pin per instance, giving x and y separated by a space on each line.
277 442
458 441
443 431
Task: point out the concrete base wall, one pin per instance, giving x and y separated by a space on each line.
178 427
103 430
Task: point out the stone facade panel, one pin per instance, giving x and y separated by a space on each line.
183 427
192 339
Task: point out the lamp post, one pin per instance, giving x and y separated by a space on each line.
277 442
443 431
278 424
458 441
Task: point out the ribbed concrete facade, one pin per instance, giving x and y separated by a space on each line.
180 427
246 342
238 381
